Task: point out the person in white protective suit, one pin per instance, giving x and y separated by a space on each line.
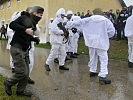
96 31
57 41
129 35
69 14
70 43
76 35
10 34
49 26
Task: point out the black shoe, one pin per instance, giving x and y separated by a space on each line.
130 64
68 53
92 74
63 68
73 56
47 67
103 80
30 81
56 60
24 93
8 89
13 70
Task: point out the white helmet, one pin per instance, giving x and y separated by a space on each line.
69 12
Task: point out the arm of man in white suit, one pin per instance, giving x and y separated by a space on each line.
110 29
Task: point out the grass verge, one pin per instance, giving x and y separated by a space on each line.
4 96
118 49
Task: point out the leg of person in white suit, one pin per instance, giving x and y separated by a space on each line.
103 57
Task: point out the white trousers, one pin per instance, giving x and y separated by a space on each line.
103 57
130 52
31 57
57 49
75 44
70 44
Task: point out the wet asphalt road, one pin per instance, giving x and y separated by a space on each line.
76 84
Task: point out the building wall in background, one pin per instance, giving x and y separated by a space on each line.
6 12
82 5
51 6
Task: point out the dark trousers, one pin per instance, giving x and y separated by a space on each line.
2 35
21 64
120 31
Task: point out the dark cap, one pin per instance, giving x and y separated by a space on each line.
37 9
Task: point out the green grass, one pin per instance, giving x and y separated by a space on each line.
4 96
118 49
44 45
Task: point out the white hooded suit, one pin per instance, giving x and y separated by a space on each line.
57 40
76 35
129 34
96 31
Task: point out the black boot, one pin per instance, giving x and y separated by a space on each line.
63 68
56 60
104 80
130 64
24 93
68 53
92 74
8 89
30 81
73 56
47 67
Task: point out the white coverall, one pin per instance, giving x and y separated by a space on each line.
96 31
10 34
56 40
76 35
129 34
70 44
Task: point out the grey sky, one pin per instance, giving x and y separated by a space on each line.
129 2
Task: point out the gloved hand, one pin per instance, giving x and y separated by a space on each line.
37 40
74 30
66 33
61 26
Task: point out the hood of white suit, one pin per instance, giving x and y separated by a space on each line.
75 18
59 13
